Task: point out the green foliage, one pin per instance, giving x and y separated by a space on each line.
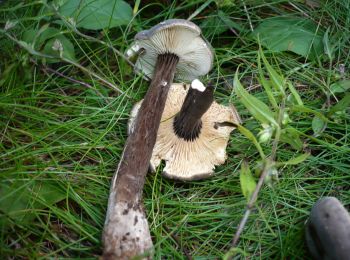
291 136
295 94
295 161
62 126
21 201
340 86
257 108
343 104
97 14
298 35
318 125
43 40
328 48
247 181
277 80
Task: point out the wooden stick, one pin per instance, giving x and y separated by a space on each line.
126 232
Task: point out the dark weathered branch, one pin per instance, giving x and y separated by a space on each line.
126 232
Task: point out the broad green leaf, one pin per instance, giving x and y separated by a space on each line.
344 103
97 14
295 94
252 138
20 200
266 84
298 35
318 125
292 137
295 160
257 108
234 251
247 181
44 39
29 35
49 33
229 22
309 110
277 80
41 36
340 86
68 49
327 46
213 25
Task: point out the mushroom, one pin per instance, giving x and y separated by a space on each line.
193 133
173 46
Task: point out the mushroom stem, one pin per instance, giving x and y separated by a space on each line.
188 123
126 232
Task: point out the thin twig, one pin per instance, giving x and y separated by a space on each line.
268 163
46 69
105 82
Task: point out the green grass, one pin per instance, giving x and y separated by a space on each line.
60 141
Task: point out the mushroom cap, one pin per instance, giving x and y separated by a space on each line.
190 160
180 37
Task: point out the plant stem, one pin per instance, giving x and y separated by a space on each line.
126 232
251 203
269 162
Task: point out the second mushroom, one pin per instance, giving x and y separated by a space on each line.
193 133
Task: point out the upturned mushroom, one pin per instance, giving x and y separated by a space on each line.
193 133
171 47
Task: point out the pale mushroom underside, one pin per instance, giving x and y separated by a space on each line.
195 54
189 160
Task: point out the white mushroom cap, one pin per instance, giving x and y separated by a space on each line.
190 160
179 37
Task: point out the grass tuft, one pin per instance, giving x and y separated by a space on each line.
62 132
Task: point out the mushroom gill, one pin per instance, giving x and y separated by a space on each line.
191 158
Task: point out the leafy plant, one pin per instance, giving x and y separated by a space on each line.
275 123
340 86
247 181
96 14
63 124
21 200
298 35
44 40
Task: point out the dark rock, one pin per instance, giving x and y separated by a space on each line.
328 230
